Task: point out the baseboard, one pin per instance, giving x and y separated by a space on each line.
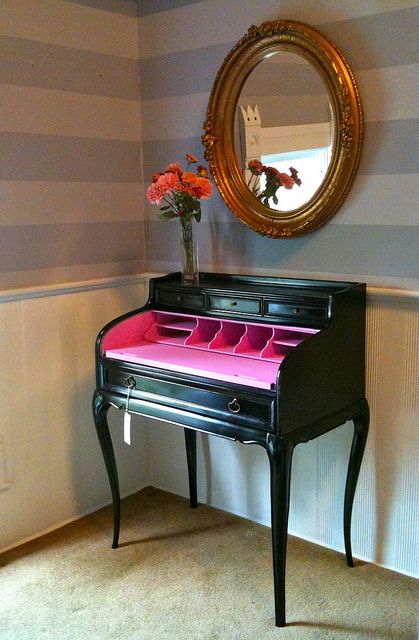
63 523
290 532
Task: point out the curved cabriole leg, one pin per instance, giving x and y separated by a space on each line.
280 458
100 410
190 442
361 425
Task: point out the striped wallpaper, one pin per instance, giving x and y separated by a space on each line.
182 48
97 95
71 205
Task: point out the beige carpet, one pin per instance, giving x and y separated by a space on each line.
193 575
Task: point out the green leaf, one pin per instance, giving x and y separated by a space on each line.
167 215
197 215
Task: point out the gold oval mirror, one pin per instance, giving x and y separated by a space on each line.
284 128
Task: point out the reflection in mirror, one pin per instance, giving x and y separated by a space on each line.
284 119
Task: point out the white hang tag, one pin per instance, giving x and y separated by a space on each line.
127 427
127 421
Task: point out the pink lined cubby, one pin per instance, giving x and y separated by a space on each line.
227 337
229 350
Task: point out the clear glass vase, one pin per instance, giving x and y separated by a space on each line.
189 253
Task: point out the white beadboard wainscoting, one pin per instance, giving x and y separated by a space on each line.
51 468
50 460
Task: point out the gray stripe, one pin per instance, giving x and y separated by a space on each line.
176 74
29 63
390 147
49 158
148 7
57 245
124 7
382 40
284 80
351 249
158 153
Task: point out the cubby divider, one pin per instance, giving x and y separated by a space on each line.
228 337
204 333
254 341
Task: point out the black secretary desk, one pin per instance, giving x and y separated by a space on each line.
268 361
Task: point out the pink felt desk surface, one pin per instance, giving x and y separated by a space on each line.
209 364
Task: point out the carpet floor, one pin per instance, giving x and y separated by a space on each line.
191 574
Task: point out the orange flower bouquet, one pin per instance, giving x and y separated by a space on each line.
180 193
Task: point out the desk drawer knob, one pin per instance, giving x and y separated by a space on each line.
130 382
234 406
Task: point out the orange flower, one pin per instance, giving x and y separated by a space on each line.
286 180
174 167
255 166
294 176
190 159
202 171
205 188
189 177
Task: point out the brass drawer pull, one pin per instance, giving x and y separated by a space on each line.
234 406
130 382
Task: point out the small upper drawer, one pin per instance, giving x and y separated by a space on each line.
305 311
176 298
238 305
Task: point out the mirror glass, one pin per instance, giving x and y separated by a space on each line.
284 119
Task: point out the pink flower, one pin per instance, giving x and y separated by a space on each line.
154 194
167 182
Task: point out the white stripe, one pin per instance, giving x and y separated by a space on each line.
223 21
383 95
391 93
70 25
52 112
383 200
176 117
38 203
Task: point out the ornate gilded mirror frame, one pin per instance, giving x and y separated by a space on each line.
257 45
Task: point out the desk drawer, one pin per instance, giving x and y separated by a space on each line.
303 312
243 409
180 299
235 304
